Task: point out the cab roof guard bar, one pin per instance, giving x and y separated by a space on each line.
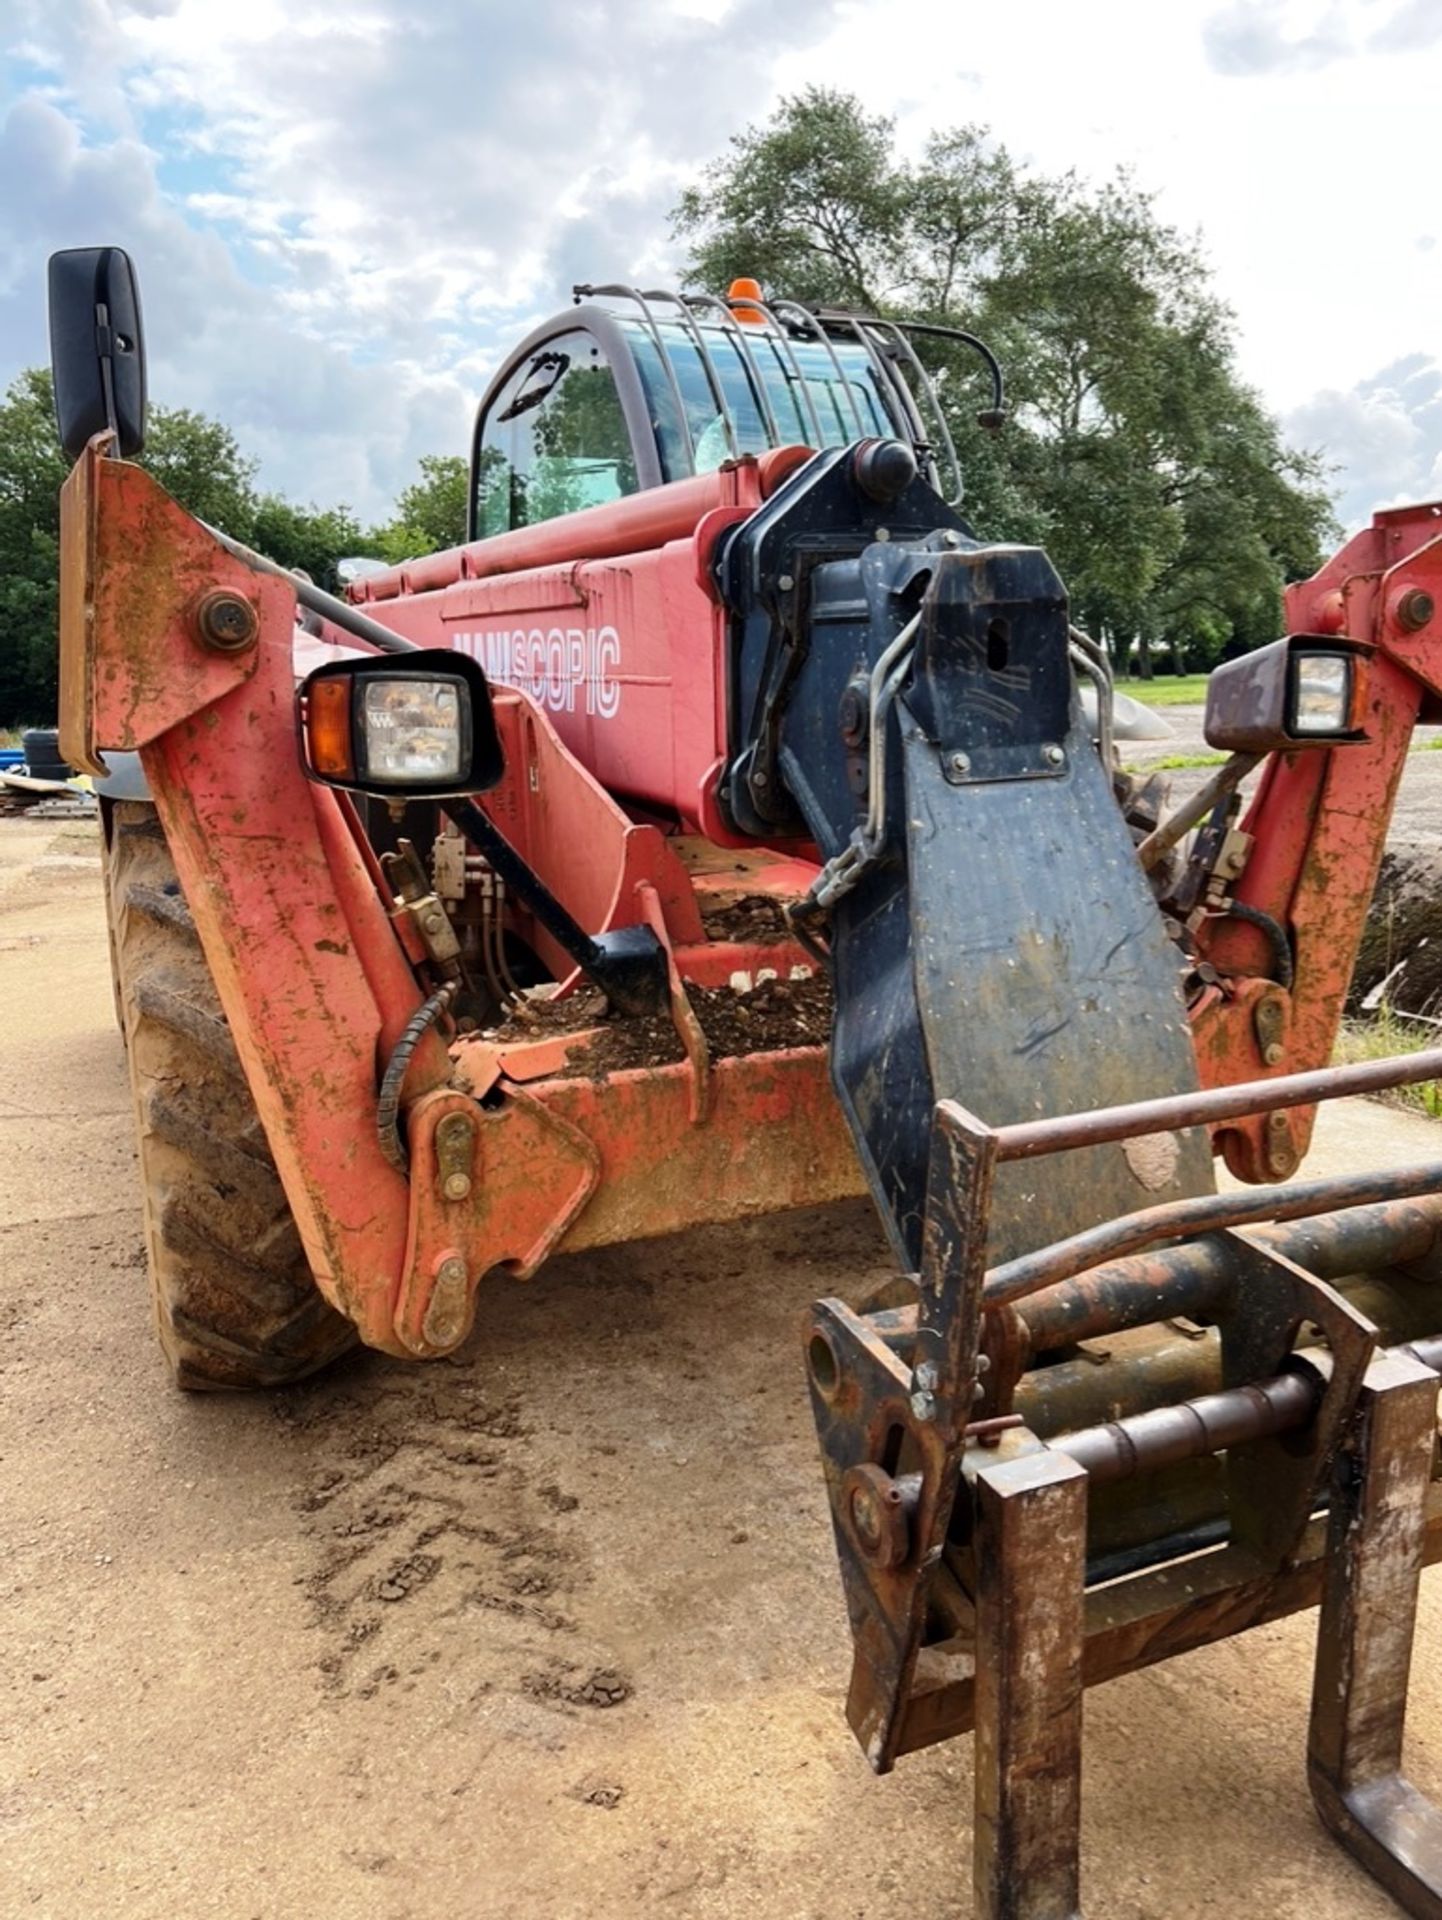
797 378
899 334
732 327
643 302
788 320
668 365
919 399
713 379
782 308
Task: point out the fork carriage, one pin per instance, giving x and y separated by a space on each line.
1266 1446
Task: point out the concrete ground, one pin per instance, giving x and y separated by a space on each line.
1418 815
550 1630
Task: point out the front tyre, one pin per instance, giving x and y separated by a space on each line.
235 1303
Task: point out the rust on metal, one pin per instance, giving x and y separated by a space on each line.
1143 1289
527 1175
1208 1214
226 621
1376 1549
1031 1558
134 566
1154 1616
1031 1137
1120 1449
878 1510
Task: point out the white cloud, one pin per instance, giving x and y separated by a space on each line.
343 210
1273 36
215 340
1290 36
1385 434
381 199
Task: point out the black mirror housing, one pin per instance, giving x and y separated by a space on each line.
97 349
410 726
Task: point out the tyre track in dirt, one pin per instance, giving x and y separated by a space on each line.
390 1509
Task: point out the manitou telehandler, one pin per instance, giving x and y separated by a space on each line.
725 827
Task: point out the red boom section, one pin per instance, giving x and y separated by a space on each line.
608 620
1319 825
516 1150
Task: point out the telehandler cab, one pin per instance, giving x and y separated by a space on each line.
722 828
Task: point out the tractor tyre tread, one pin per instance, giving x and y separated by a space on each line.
235 1303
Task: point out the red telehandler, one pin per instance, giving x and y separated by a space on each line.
724 827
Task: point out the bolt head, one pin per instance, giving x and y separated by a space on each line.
960 765
1275 1054
458 1186
445 1320
1415 608
226 621
926 1376
854 716
876 1514
923 1405
1053 755
786 581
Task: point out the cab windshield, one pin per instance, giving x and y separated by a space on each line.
776 392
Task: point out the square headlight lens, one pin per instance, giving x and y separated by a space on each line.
412 730
1322 693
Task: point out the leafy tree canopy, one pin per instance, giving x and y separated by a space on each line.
198 460
431 513
1135 452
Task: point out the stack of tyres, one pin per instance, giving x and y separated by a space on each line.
42 755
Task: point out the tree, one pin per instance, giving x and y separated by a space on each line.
195 458
311 538
32 468
1134 451
198 461
430 513
812 204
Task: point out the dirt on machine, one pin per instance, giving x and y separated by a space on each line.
726 826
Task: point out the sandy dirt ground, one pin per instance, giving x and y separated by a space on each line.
552 1629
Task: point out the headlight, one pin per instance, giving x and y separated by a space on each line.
1305 691
1321 693
419 724
412 730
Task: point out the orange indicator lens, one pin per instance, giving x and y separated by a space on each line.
327 727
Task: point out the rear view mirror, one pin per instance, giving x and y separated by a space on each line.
404 726
97 354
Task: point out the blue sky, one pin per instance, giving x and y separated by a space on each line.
343 210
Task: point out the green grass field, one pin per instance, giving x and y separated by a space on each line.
1167 690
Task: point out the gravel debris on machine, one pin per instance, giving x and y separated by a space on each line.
754 919
767 1017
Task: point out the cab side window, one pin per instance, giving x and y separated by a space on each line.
553 440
